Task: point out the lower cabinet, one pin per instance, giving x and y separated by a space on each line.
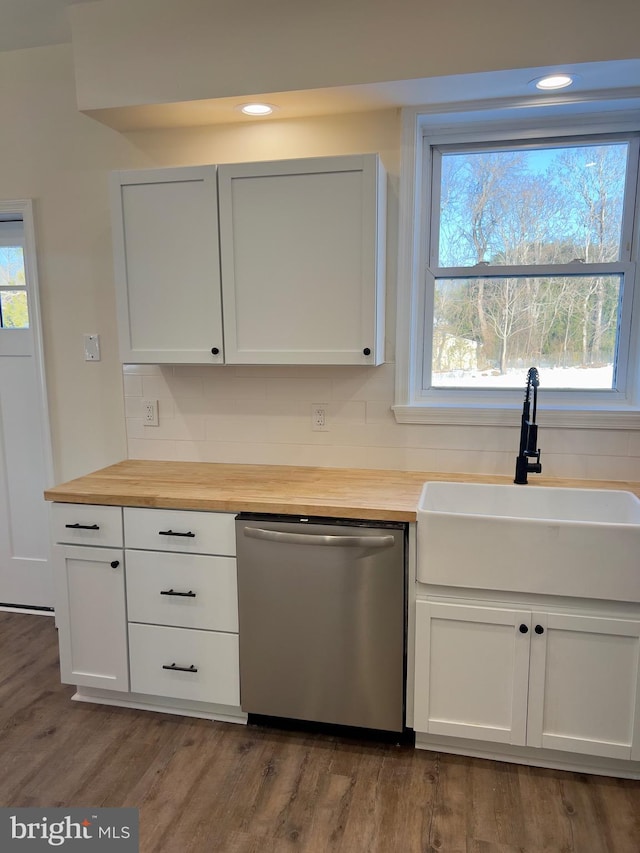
184 663
528 677
147 605
183 606
584 685
91 616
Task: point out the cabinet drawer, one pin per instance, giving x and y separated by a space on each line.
184 590
180 530
214 657
87 524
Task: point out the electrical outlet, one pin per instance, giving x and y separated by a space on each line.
150 413
91 347
319 419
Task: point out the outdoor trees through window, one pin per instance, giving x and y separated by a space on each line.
529 249
14 313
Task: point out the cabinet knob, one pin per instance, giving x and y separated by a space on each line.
215 350
115 564
366 351
539 629
523 629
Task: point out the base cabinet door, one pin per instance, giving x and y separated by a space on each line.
91 616
584 685
471 672
547 679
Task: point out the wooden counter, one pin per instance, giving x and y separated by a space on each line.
342 492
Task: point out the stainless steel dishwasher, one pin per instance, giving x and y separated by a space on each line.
322 619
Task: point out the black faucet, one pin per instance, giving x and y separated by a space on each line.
529 433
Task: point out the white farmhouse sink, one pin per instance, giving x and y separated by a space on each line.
552 541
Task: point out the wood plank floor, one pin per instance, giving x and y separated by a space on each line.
204 786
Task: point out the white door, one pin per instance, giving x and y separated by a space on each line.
472 667
301 245
25 455
584 685
92 617
167 265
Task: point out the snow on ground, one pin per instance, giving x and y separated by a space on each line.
583 378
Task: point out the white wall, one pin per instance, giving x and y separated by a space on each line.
51 153
61 158
262 415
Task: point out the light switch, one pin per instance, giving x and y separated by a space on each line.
91 347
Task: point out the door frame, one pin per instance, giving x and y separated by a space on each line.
23 208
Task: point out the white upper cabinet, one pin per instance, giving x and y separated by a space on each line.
302 256
167 265
301 247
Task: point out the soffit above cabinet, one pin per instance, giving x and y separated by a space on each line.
612 89
190 63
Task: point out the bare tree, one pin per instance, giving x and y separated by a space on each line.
506 208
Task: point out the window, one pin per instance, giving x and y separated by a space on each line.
14 311
523 254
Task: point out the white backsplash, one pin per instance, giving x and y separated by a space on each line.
262 415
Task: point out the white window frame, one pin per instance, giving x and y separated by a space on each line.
12 234
423 128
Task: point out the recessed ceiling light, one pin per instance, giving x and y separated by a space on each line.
256 109
554 81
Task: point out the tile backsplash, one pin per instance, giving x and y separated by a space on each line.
262 415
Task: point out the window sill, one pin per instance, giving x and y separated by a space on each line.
557 418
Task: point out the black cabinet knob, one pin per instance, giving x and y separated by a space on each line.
115 564
539 629
214 350
366 351
523 629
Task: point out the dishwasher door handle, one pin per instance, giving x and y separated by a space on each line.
318 539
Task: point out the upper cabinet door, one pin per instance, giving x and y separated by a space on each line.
167 265
302 256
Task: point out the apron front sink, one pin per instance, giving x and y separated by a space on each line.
534 539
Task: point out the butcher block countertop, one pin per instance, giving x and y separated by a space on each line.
380 495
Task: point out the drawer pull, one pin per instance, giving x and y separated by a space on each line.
190 594
177 668
171 533
77 526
